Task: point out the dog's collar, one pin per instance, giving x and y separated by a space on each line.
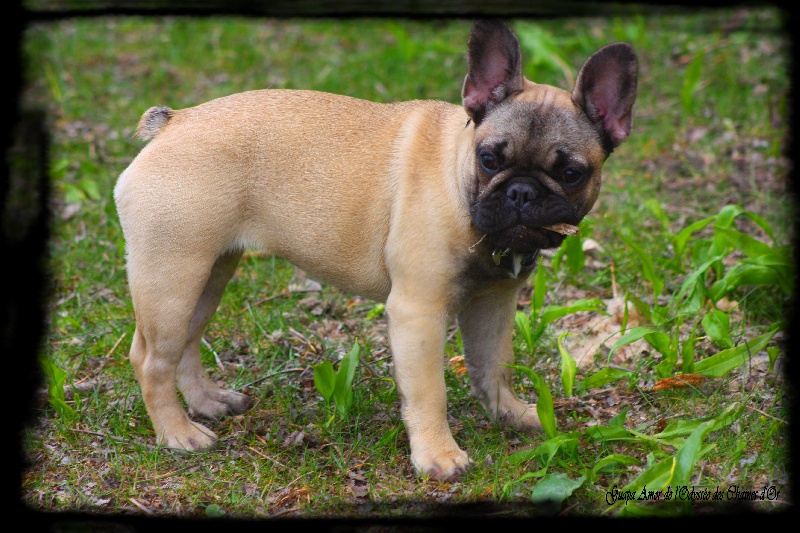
516 260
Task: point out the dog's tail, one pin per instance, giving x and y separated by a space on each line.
153 120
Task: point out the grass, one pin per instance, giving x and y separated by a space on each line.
710 130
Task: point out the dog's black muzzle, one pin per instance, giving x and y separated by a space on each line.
514 215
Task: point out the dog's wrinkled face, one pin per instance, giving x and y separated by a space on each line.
537 162
538 150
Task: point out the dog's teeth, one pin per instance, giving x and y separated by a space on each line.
563 229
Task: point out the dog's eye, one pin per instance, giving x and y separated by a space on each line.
488 161
571 176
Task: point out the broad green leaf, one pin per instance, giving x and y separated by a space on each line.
726 215
347 369
692 279
389 437
602 377
694 301
723 362
545 452
554 312
675 442
613 459
619 418
538 291
660 341
658 476
690 452
763 224
343 390
780 258
325 379
681 428
691 83
573 249
376 312
648 270
523 456
91 189
751 247
632 335
214 511
56 378
544 403
73 194
609 433
772 353
685 234
556 488
746 274
568 366
687 351
524 325
642 307
717 326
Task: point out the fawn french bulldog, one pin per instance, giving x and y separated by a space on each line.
437 209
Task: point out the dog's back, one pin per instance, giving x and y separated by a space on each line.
230 173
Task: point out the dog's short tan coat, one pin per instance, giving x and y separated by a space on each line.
382 200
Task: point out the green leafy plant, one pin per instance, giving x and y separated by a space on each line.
691 84
762 265
544 403
571 254
214 511
56 379
569 367
533 326
337 386
673 473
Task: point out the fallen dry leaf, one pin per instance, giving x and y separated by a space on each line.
679 381
564 229
457 364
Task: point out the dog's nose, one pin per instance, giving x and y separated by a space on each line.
520 194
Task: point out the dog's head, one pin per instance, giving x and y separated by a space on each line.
538 150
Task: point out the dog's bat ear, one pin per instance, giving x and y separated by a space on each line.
494 68
606 90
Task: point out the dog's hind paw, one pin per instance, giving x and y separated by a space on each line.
218 403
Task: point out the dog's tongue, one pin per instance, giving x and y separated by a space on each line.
563 229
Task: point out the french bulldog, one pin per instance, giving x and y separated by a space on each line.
436 209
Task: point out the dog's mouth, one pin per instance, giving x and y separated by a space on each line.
523 239
524 215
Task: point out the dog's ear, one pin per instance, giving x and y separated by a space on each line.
494 68
606 90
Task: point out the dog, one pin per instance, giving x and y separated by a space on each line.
436 209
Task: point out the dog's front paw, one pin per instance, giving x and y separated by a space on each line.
191 437
520 416
445 466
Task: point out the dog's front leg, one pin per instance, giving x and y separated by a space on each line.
487 324
417 332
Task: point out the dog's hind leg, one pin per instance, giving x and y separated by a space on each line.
174 296
203 396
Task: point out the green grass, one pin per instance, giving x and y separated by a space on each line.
710 130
